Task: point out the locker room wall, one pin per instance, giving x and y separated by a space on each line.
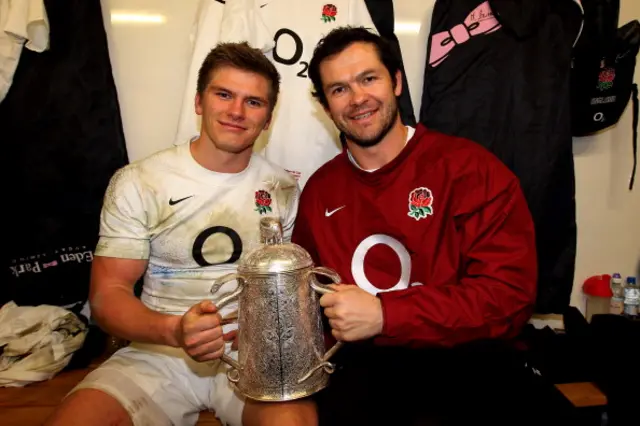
150 41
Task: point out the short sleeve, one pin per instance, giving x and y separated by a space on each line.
123 221
205 36
241 21
27 20
524 18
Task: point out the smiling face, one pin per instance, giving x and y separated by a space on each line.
235 108
360 93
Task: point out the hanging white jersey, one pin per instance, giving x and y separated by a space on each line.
192 224
204 38
301 137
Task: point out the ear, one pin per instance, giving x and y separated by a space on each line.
325 106
268 122
198 104
328 111
398 89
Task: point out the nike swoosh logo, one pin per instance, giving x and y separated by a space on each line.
328 213
173 202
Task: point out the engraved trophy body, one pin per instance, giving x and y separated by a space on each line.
281 350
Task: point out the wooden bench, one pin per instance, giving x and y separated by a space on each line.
583 394
31 405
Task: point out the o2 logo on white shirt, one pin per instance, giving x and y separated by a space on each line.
198 245
297 54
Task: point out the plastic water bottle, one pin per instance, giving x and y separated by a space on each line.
616 305
631 298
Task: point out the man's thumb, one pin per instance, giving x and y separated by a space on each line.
205 307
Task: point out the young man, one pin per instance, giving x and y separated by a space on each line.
435 244
181 218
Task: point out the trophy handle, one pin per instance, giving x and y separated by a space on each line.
234 374
329 273
322 289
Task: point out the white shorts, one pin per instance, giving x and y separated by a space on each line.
161 385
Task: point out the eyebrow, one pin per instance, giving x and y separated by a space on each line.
358 77
251 98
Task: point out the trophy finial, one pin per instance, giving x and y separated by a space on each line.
270 230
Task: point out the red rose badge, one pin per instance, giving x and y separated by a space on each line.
329 12
420 201
263 202
605 79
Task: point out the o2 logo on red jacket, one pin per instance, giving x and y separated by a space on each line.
357 263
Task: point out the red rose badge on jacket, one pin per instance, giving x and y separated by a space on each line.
420 203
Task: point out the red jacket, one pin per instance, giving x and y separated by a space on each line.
442 235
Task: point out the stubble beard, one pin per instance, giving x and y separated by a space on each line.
388 119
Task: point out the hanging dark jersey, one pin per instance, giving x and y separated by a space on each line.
383 17
63 140
497 73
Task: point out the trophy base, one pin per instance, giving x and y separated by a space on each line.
284 393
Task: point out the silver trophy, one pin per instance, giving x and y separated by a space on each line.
281 350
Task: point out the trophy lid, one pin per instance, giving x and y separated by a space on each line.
274 255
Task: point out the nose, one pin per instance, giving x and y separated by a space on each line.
358 95
236 110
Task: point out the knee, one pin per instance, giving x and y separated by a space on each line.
89 406
290 413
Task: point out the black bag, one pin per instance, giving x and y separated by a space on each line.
602 81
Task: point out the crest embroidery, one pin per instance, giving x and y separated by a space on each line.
420 203
329 12
605 79
263 202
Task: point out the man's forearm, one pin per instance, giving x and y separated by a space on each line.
123 315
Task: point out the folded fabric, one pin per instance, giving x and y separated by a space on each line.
37 342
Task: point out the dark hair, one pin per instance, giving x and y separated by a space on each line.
338 40
243 57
